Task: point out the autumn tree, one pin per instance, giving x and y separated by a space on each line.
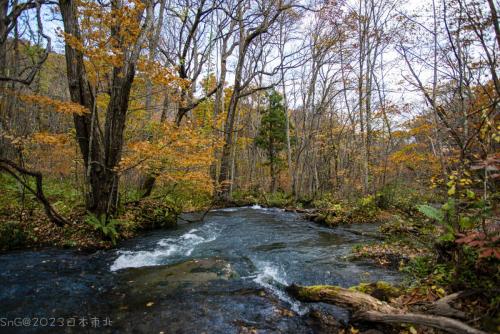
114 36
20 63
21 58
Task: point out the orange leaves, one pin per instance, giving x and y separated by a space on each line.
174 154
422 129
53 152
161 75
400 134
50 138
64 107
108 33
412 154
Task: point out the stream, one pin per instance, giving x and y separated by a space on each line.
225 275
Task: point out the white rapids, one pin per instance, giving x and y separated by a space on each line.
165 248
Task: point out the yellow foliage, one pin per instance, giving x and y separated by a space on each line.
161 75
174 154
64 107
53 152
50 138
415 156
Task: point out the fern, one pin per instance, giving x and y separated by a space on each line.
439 215
106 228
431 212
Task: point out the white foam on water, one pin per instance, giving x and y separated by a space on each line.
165 248
226 209
254 207
271 277
258 207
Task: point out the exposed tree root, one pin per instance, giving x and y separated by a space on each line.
368 308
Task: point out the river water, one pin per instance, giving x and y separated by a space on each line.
225 275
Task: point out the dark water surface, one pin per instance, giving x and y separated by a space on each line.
225 275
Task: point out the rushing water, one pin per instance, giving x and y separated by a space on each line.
225 275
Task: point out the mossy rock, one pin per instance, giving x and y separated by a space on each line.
381 290
12 235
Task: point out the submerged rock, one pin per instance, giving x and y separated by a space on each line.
160 279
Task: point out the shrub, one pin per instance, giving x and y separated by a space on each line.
326 201
401 197
365 210
158 213
277 199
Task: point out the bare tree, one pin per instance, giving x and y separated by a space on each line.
268 13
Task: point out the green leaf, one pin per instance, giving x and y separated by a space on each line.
431 212
449 206
447 237
470 194
451 191
466 222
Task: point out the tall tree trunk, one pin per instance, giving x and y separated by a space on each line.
153 43
287 116
224 175
223 191
219 104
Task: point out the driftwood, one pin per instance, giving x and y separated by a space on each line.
442 306
14 170
368 308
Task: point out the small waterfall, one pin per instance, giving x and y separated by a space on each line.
273 278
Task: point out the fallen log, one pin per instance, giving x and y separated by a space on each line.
368 308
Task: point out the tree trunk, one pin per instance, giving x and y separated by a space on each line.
223 191
287 116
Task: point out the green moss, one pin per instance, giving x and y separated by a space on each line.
313 292
380 290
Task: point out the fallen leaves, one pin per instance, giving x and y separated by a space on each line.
389 254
